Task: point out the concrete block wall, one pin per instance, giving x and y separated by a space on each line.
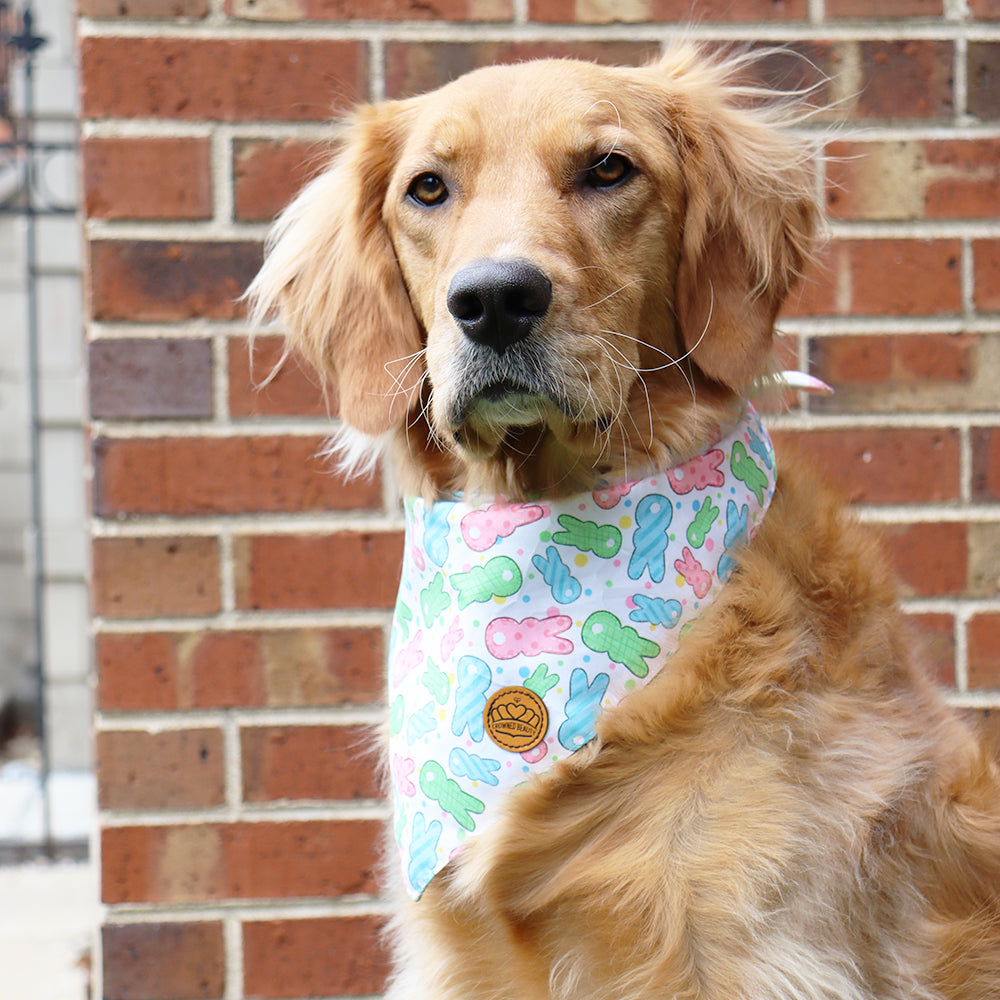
242 591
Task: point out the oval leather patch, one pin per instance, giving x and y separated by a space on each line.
516 719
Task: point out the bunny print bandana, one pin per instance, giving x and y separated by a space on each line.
518 623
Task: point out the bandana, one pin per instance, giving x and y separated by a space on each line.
518 623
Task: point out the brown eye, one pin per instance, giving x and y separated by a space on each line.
427 189
611 170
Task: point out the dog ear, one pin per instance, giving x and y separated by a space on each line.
751 215
330 273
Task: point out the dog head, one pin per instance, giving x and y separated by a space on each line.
543 272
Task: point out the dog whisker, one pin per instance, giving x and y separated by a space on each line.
630 284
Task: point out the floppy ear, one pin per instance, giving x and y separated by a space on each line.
751 215
330 273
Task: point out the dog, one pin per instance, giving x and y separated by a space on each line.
544 293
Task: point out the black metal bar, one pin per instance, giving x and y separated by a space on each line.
26 43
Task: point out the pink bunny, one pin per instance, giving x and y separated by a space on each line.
508 637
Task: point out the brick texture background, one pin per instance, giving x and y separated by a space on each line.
242 593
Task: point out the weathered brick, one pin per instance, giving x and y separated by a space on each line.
149 577
163 671
140 378
308 763
326 956
986 274
373 10
147 178
930 558
257 860
637 11
185 476
986 463
347 569
904 277
265 383
911 179
984 80
984 559
935 645
884 465
163 961
230 80
983 637
888 373
153 280
267 174
905 80
413 68
173 769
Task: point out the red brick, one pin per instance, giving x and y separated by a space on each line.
707 11
308 763
147 178
931 558
143 9
893 373
230 80
935 645
884 9
985 10
936 179
150 280
326 956
173 769
986 463
163 961
147 378
267 174
965 178
216 475
371 10
262 860
412 68
150 577
874 359
266 383
347 569
162 671
983 634
864 360
984 80
904 277
883 465
905 80
986 274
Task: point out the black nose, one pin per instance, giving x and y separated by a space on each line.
497 303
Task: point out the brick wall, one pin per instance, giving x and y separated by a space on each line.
242 592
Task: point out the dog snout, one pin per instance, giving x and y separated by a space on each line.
498 303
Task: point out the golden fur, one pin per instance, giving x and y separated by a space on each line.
787 810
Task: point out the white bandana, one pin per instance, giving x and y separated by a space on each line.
517 623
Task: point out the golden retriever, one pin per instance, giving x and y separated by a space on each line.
527 283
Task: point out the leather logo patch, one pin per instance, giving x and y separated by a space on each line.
516 719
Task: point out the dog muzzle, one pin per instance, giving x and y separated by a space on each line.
517 624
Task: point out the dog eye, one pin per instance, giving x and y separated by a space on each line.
427 189
611 170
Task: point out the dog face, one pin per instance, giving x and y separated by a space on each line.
542 272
